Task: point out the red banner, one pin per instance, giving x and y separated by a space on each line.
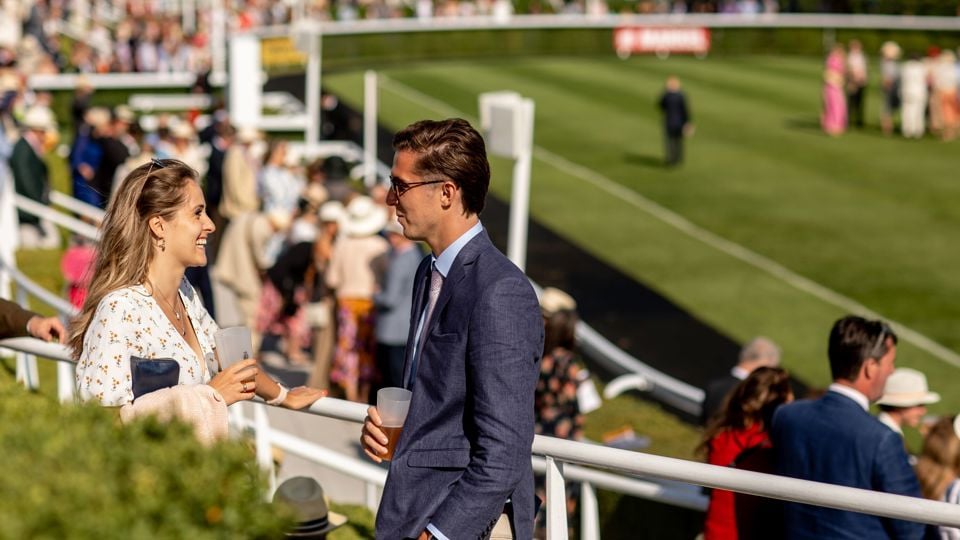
660 40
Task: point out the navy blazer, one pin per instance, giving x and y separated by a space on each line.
832 439
465 446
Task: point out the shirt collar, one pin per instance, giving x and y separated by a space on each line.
887 420
851 393
739 372
445 260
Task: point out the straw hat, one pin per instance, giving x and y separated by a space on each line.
39 118
248 134
305 496
907 388
554 300
182 130
332 211
364 217
97 117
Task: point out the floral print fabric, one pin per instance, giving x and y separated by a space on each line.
129 322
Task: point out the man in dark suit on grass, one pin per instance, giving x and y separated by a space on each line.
834 438
461 468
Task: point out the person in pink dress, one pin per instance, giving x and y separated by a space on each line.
834 117
737 437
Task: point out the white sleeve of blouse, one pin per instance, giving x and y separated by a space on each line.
103 372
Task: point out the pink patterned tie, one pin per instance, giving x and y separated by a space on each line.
436 283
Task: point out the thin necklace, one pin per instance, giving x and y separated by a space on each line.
176 312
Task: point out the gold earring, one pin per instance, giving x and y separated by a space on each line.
162 244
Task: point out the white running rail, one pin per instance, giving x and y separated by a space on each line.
569 460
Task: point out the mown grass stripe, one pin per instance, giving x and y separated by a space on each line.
703 235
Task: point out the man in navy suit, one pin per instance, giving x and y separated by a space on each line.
461 468
835 439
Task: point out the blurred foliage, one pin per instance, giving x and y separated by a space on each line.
74 472
359 524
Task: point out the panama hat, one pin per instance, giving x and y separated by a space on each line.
248 134
364 217
907 388
553 300
39 118
305 496
332 211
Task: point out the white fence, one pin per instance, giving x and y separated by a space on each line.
565 461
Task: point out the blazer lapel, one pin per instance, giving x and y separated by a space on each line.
420 287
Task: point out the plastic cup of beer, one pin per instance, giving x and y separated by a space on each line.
233 345
392 404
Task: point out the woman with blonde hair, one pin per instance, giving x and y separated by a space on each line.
939 465
139 305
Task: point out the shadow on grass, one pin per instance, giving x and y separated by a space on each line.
803 123
644 160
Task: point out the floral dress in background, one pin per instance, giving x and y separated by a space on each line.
558 411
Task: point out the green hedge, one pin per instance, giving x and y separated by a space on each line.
74 472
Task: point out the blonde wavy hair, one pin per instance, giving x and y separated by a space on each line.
939 462
127 245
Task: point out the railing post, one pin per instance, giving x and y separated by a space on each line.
26 363
370 496
66 377
589 515
264 448
556 501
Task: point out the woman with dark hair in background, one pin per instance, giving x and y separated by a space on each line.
737 436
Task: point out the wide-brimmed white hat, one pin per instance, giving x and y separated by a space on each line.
248 134
364 217
907 388
332 211
39 118
553 300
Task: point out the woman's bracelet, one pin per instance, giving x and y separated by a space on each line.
280 397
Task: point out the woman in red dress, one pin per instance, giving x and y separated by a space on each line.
737 436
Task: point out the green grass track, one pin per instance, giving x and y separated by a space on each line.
870 218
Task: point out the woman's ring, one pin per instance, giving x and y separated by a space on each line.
243 385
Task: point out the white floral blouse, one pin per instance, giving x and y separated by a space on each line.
129 322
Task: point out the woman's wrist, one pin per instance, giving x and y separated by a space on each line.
281 397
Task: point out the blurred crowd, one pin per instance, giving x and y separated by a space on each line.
919 95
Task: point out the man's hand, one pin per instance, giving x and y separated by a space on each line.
372 438
47 329
425 535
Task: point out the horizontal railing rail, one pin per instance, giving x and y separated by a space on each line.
631 463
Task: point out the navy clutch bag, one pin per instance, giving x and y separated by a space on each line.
149 374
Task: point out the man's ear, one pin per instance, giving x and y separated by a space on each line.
448 194
869 368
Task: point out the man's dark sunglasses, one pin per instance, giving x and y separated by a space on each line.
398 186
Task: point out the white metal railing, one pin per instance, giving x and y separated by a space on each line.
560 455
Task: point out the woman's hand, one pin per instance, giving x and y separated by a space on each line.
302 397
237 382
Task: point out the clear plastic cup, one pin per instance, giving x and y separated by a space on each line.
392 405
233 345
